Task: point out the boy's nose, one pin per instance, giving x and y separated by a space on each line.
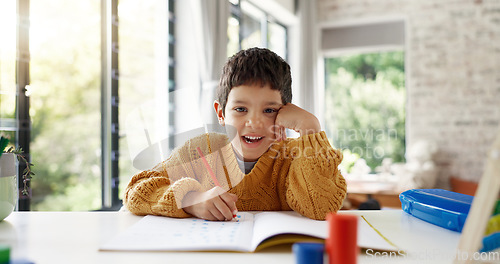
254 121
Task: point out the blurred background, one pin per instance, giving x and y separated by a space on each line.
409 90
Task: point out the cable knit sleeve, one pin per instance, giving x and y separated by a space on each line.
150 192
314 184
160 191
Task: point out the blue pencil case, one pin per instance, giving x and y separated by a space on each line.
440 207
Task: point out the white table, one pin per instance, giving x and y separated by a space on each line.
74 237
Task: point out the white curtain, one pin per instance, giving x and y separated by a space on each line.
210 29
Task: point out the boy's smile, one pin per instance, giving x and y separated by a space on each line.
249 118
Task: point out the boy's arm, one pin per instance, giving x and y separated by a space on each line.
160 191
314 184
295 118
153 192
181 185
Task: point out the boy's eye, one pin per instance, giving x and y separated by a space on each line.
240 109
270 110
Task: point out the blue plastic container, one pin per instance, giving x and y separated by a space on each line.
440 207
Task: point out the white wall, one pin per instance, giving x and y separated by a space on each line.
453 69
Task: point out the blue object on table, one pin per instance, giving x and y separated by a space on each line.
491 242
20 261
308 253
444 208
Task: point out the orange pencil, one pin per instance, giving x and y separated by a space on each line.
212 174
208 167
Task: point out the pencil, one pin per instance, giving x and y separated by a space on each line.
208 167
212 174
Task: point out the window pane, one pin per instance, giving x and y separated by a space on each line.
256 29
65 104
277 39
251 26
233 31
8 68
365 107
143 63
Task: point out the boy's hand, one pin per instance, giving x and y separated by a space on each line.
293 117
214 204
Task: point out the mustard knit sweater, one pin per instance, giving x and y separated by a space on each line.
298 174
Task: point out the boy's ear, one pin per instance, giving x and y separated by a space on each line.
218 111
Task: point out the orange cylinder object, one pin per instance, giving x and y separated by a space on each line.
342 241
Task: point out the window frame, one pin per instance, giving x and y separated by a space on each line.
109 97
385 34
237 12
23 128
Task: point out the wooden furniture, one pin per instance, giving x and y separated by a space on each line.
463 186
386 200
359 191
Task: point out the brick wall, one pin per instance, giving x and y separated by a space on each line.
453 73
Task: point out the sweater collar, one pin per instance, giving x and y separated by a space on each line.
232 163
245 166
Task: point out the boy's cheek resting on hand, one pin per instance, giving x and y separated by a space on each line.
216 204
295 118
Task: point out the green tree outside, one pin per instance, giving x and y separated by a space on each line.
365 100
66 100
65 104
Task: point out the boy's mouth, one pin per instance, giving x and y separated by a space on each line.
250 140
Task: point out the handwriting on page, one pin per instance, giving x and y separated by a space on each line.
164 233
198 231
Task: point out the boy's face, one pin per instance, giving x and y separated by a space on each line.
249 118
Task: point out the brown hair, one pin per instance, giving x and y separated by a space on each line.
255 66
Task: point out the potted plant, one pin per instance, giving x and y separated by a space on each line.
8 176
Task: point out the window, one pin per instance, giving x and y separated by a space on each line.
233 33
365 93
146 65
64 65
65 104
277 38
14 80
365 107
249 26
8 69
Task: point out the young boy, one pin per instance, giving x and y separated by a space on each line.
254 166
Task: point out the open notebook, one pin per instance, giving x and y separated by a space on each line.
250 233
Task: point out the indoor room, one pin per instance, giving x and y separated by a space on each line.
389 111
